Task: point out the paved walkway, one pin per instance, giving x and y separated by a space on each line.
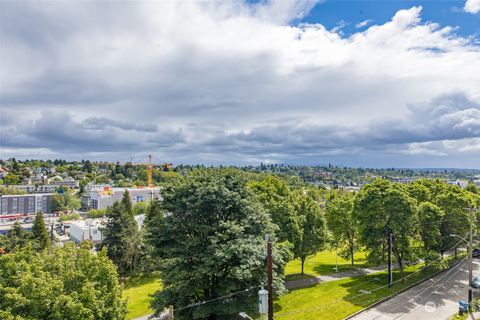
302 283
434 299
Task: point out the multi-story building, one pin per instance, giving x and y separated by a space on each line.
47 188
108 196
30 188
67 182
11 205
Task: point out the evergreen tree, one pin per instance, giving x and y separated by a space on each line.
16 238
40 232
120 234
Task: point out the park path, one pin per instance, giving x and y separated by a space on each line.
302 283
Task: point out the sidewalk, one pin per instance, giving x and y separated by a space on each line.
302 283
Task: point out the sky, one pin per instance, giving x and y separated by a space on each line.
352 83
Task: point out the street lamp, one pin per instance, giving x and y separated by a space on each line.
244 315
470 265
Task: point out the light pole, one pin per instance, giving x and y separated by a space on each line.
470 259
245 316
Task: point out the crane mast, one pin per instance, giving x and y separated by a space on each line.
149 172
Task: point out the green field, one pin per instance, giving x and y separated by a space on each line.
323 263
138 294
338 299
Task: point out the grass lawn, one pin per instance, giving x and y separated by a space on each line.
137 292
323 263
337 299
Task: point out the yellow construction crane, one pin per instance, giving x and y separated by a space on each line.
149 172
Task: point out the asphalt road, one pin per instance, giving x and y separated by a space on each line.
434 299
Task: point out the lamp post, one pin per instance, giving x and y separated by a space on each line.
470 264
245 316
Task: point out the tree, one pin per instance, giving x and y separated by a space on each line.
140 208
58 202
65 200
17 238
312 226
67 283
120 234
430 219
279 201
40 232
9 190
455 203
212 243
382 208
11 178
342 224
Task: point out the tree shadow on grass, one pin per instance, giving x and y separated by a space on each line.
329 269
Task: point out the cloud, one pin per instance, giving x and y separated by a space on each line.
363 23
472 6
231 82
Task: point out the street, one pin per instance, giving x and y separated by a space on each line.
434 299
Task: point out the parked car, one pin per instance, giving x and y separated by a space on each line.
476 282
476 253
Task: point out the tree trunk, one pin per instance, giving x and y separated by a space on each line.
303 263
351 255
400 266
455 252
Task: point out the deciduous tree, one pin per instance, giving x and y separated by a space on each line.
212 243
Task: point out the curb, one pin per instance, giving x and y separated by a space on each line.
401 291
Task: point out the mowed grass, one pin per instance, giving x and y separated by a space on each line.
138 293
323 263
339 299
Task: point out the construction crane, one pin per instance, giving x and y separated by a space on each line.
149 172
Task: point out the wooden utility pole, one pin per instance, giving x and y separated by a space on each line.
170 312
470 258
270 280
390 271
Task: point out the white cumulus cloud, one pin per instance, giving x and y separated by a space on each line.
472 6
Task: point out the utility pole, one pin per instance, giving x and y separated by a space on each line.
270 280
170 312
470 258
390 271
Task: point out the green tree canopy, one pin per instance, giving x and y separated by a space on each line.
40 232
66 283
16 238
212 242
342 223
120 234
383 208
312 229
279 201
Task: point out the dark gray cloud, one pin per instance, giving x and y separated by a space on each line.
232 82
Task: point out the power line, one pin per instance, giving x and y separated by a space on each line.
230 295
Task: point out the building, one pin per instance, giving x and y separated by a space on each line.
30 188
91 229
86 230
96 187
3 172
12 205
106 197
461 183
47 188
68 182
